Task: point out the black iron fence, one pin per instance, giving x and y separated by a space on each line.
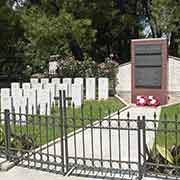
92 146
162 160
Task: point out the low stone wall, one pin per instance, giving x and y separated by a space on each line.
123 86
173 97
173 80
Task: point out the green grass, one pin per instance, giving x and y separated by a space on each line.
45 130
169 112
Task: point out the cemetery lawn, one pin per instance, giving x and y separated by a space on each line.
171 125
43 130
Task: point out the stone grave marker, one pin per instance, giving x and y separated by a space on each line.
37 86
44 81
90 88
68 81
19 106
51 89
79 81
5 100
43 99
16 92
77 95
103 88
55 81
26 85
34 80
61 87
32 102
14 87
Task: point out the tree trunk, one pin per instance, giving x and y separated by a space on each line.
173 49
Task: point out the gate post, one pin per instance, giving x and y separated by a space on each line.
62 130
144 145
139 126
65 131
7 133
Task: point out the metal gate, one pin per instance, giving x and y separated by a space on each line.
103 147
32 140
68 143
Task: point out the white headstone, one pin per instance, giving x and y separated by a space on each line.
5 91
55 81
90 88
19 106
44 81
34 80
51 89
30 94
43 100
36 86
103 88
79 81
26 85
61 87
14 87
77 98
68 81
5 104
5 100
16 92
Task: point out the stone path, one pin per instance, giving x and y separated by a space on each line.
128 142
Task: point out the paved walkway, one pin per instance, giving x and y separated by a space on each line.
19 173
126 151
123 154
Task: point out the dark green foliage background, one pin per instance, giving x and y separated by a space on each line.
31 31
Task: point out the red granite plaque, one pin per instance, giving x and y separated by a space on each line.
149 68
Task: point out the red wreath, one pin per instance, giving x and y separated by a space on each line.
141 100
153 101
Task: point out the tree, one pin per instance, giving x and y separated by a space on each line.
47 35
163 17
11 54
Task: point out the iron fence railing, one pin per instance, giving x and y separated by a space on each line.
84 144
162 159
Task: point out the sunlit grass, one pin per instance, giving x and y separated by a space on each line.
168 122
43 129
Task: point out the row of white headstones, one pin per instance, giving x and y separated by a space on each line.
42 95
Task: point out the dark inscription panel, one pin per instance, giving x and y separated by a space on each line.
150 60
148 63
148 49
148 77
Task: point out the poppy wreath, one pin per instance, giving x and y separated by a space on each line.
153 101
141 100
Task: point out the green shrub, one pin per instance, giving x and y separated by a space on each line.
69 67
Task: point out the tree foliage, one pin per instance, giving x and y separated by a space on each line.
32 30
166 16
11 35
